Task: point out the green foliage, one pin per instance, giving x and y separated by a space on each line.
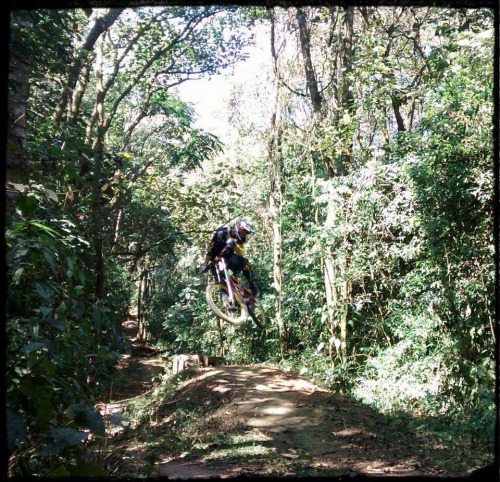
414 383
47 23
402 218
60 342
407 228
194 149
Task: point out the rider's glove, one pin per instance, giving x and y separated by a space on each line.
203 268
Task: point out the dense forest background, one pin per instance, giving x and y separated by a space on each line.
362 153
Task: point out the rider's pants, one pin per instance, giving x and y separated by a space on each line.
238 263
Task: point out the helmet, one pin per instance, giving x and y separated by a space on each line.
242 228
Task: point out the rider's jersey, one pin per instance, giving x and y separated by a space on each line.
220 239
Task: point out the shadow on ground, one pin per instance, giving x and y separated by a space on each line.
255 421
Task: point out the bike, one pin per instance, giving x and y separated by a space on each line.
229 300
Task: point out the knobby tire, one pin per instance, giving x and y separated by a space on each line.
257 313
213 296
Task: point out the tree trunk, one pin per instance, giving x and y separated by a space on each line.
276 194
97 215
347 101
396 104
331 298
305 46
101 25
345 297
20 67
337 293
142 299
275 210
336 288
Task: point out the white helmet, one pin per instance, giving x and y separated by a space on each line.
242 228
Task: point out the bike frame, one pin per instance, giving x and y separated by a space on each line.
230 280
235 294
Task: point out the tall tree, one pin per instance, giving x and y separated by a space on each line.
276 198
83 51
336 284
20 63
118 83
38 45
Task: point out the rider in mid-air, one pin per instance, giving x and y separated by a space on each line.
228 242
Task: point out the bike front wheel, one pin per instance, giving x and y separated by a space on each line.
217 297
257 313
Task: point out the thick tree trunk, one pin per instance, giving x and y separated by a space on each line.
16 162
396 104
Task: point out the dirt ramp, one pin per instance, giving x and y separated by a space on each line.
283 425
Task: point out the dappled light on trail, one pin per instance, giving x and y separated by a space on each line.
283 424
255 420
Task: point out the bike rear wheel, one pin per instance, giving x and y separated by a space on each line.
257 313
217 297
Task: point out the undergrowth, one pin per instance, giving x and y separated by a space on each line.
455 432
176 418
161 422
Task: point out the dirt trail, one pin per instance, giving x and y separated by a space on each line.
259 420
313 431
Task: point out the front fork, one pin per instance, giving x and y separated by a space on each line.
221 268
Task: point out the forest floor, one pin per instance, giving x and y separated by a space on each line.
249 421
